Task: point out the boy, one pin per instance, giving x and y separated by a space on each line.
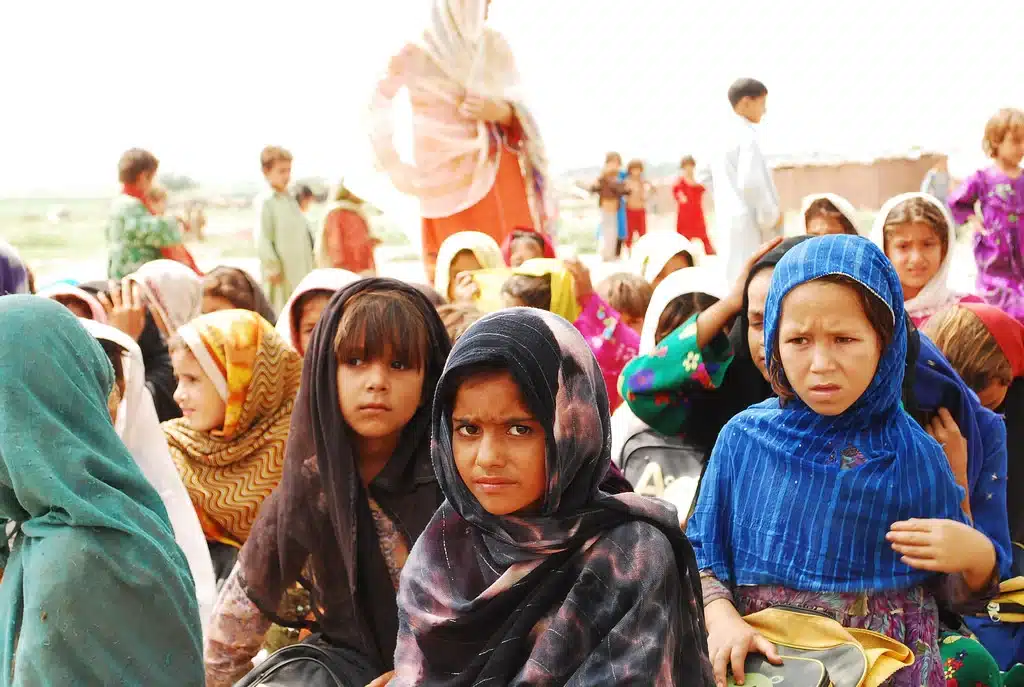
134 234
284 243
689 195
610 190
747 208
636 201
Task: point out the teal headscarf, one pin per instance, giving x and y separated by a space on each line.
95 590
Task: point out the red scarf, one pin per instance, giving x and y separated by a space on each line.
135 192
178 253
1008 333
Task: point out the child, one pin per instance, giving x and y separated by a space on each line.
135 235
554 581
918 235
610 190
661 253
936 182
231 288
95 590
629 294
637 190
689 195
302 312
157 197
828 213
466 251
458 318
358 489
345 239
283 240
747 209
1000 191
173 294
837 428
304 196
526 244
237 381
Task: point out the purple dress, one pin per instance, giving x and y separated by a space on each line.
997 246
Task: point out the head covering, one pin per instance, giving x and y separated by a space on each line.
230 471
13 273
476 585
679 283
257 299
652 252
172 290
456 159
96 310
483 247
506 245
1008 333
327 279
139 429
873 463
844 207
936 295
320 513
95 590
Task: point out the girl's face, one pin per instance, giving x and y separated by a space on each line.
378 397
312 308
993 395
523 250
201 405
216 303
677 262
822 225
827 346
464 261
757 297
500 448
1011 151
915 250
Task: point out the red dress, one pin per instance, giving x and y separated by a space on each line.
690 218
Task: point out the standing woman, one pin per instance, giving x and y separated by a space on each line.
479 158
95 591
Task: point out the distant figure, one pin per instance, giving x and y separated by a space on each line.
157 199
304 196
689 195
637 190
283 240
345 241
610 190
135 234
747 211
937 181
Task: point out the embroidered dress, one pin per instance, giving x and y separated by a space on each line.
135 237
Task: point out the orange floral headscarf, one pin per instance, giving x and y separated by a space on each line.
230 471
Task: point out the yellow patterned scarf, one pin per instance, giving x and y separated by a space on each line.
230 471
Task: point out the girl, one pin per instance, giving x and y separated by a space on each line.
466 251
135 421
307 302
835 337
566 290
689 195
660 253
173 292
828 213
237 381
79 301
345 239
918 235
95 590
14 276
358 487
526 244
231 288
1000 190
528 574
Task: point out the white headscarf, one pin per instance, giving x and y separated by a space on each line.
936 295
844 207
173 291
140 430
652 252
324 279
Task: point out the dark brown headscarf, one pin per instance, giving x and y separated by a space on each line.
316 529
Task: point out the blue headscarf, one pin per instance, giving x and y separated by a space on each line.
802 500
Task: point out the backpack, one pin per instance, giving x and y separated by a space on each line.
668 468
312 663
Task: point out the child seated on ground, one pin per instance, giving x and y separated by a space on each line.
629 294
827 213
301 313
231 288
460 254
661 253
526 244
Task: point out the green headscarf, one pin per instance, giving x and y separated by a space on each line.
95 590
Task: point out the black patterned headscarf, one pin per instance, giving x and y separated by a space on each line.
592 590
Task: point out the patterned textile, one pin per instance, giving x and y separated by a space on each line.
754 522
230 471
173 292
596 589
135 236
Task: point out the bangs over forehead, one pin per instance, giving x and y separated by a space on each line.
376 322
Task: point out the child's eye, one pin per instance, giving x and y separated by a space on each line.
797 340
354 362
467 430
845 339
398 365
519 430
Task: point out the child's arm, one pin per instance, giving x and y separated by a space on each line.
962 201
266 244
757 186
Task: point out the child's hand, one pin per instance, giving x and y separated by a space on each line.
125 308
943 429
730 639
581 275
735 297
944 546
465 289
382 680
485 109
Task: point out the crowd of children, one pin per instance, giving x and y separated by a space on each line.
513 475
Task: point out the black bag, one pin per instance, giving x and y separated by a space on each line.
668 468
312 663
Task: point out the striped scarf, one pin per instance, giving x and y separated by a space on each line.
230 471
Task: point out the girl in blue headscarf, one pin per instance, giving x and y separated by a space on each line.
95 590
830 497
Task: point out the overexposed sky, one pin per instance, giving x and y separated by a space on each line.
205 85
